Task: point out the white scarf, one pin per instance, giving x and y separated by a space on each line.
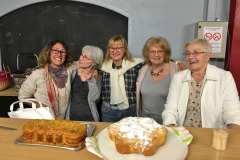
118 93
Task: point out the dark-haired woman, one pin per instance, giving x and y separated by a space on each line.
50 83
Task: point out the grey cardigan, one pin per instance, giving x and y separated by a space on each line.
93 96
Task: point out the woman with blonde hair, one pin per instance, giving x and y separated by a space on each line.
119 73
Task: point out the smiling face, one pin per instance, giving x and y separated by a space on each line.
57 55
85 60
197 63
156 55
116 50
156 50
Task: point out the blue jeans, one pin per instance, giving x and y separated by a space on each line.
110 113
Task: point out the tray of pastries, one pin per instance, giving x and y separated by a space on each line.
63 134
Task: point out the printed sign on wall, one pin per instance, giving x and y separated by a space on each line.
214 36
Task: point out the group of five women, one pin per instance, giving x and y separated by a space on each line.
124 85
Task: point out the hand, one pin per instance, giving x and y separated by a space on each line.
181 65
86 73
95 74
37 104
233 126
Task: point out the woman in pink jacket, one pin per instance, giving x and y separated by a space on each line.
154 78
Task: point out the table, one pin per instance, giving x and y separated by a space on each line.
11 91
199 149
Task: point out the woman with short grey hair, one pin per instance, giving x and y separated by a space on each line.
85 86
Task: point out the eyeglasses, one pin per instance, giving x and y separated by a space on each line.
154 52
55 51
85 57
116 48
194 53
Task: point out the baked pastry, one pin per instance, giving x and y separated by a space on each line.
137 135
55 132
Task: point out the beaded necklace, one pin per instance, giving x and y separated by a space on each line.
158 73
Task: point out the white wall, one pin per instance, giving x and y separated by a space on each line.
173 19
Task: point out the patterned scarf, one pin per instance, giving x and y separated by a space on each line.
58 78
59 75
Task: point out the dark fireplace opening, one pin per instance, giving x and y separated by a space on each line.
28 29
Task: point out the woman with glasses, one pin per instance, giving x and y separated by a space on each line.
154 78
50 83
86 86
119 73
202 95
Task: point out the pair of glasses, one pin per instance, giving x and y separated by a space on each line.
85 57
155 52
55 51
194 53
115 48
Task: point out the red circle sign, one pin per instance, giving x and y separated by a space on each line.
208 36
217 36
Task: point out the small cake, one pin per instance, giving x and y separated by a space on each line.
137 135
54 132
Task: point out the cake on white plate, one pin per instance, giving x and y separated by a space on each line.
140 135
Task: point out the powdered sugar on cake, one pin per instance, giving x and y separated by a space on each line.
137 135
136 127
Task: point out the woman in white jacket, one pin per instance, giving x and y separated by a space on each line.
203 95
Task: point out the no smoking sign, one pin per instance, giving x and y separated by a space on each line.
215 36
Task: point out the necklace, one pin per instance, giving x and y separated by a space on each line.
158 73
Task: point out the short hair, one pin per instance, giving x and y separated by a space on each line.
158 42
119 38
200 41
96 53
44 55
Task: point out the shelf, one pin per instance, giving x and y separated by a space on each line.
11 91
